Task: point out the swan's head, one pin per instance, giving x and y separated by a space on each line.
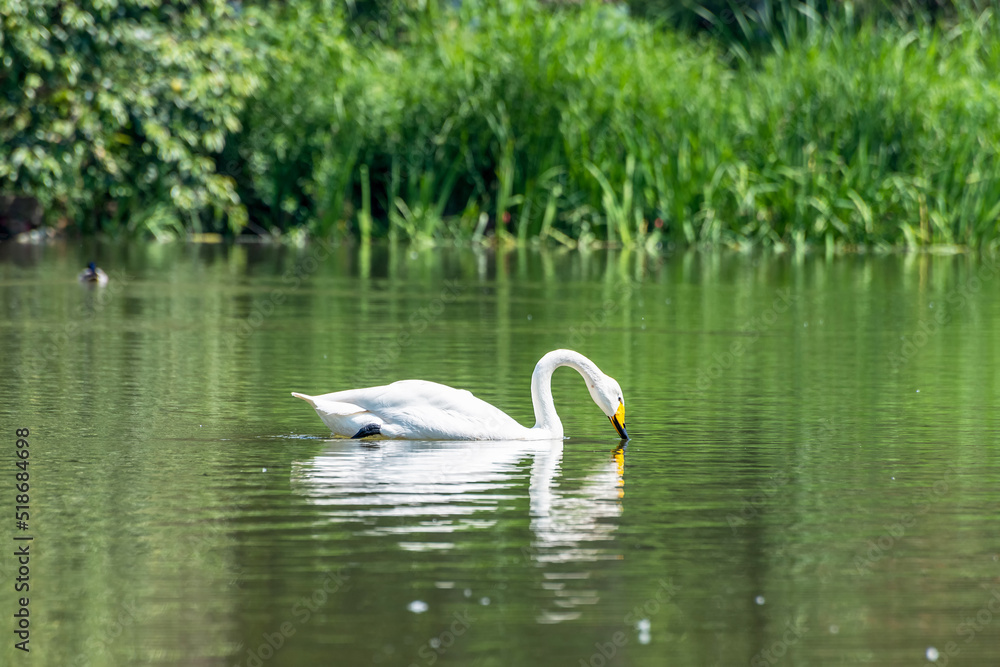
608 395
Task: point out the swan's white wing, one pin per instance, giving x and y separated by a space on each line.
346 419
417 409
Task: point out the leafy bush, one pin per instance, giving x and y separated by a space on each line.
112 111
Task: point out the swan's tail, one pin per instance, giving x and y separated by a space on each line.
305 397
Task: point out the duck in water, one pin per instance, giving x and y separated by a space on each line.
92 274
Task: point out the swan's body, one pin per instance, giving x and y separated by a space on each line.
92 274
421 410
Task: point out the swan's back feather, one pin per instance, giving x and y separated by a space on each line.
416 409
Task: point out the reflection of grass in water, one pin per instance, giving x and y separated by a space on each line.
584 122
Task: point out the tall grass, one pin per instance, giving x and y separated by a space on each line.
585 124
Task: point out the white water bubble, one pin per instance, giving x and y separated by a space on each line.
643 626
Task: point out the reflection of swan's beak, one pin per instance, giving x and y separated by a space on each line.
619 421
619 455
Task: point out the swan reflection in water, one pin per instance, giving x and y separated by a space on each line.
432 489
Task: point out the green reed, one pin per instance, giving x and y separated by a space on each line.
586 124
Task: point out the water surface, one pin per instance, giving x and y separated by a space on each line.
813 475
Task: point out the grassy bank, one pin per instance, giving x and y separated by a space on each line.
585 125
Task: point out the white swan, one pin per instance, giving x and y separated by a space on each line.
421 410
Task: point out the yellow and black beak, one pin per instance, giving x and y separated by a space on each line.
618 420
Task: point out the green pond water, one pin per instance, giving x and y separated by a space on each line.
813 476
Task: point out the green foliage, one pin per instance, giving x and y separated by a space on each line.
112 111
869 134
743 24
584 123
296 157
458 120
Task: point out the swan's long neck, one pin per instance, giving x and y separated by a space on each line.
541 386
